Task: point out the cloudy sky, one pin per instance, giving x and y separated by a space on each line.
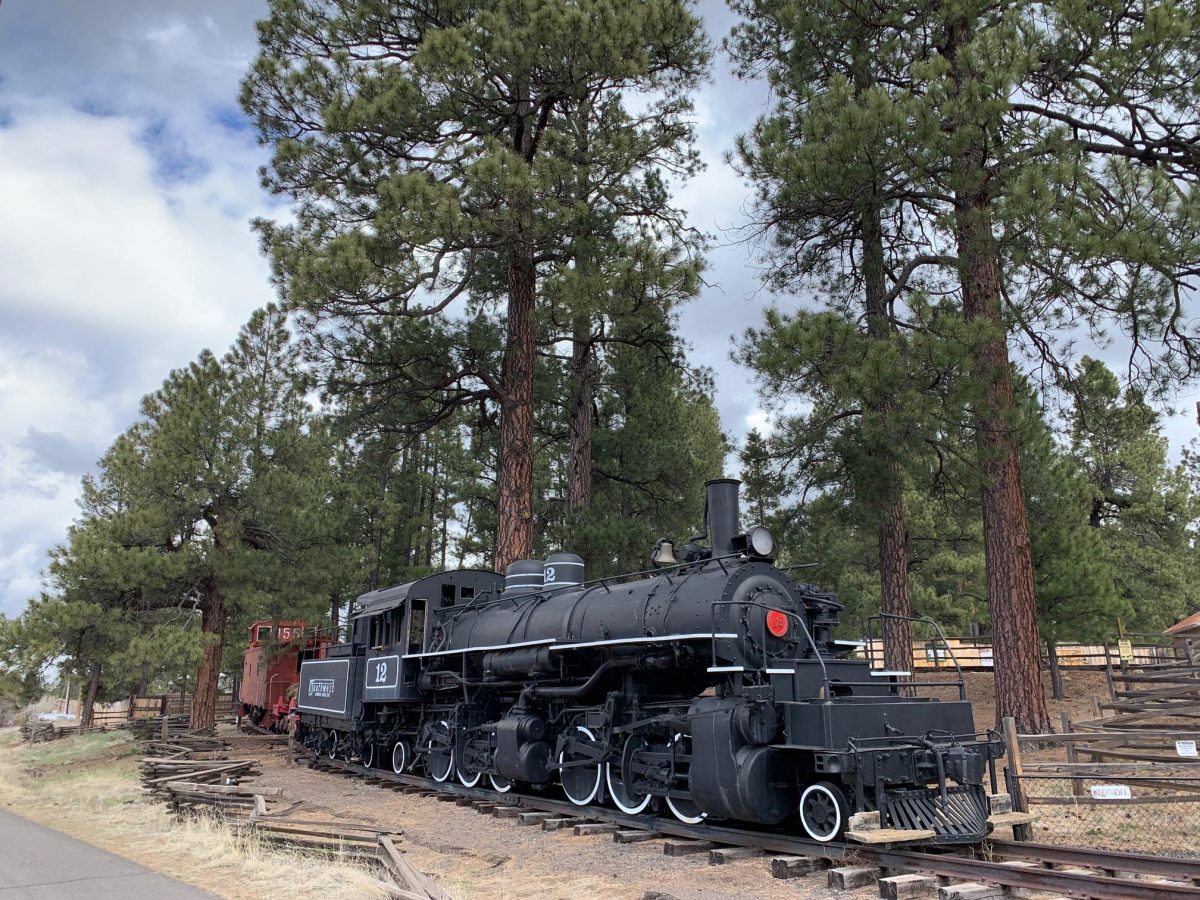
127 181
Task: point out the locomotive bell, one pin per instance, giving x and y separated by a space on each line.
664 554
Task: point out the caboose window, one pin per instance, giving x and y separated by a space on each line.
264 633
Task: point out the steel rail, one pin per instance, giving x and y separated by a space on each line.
933 861
1108 860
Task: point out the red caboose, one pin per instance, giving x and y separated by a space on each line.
271 666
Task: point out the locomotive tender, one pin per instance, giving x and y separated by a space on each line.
711 685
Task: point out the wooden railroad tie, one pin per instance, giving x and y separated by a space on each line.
686 848
796 866
969 890
721 855
506 812
635 836
596 828
558 824
845 878
902 887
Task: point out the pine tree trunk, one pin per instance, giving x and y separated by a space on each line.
204 699
583 390
1056 685
1008 560
89 698
1007 555
895 598
335 612
514 525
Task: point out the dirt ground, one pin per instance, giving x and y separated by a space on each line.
474 855
470 855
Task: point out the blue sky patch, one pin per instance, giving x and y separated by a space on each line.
174 163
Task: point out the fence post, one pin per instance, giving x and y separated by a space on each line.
1016 786
1108 674
1072 759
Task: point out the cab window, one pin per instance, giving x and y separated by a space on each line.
416 626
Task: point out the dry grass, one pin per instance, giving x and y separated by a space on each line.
77 786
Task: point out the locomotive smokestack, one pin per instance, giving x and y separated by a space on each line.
721 509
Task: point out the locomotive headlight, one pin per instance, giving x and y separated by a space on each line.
777 623
759 541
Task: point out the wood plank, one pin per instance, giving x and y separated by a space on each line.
890 835
1012 818
415 879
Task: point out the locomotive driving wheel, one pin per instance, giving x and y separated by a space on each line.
581 781
685 810
500 784
401 757
619 778
368 753
823 811
331 744
439 751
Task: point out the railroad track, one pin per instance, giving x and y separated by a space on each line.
1069 871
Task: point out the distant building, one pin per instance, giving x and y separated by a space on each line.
1187 636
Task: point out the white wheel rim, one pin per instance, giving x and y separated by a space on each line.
369 755
595 787
332 746
820 788
398 768
683 817
469 780
450 765
616 798
497 782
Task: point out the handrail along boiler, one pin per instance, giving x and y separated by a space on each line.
709 686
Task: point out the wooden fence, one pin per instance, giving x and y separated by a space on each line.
154 707
976 654
1126 780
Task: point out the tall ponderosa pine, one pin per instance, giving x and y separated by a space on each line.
837 218
431 152
237 480
1056 149
1141 508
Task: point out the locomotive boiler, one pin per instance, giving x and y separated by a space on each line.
708 686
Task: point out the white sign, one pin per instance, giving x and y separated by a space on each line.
1111 792
1185 748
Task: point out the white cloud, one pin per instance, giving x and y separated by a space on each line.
124 250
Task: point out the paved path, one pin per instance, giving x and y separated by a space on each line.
37 863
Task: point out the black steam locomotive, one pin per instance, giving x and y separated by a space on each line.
710 685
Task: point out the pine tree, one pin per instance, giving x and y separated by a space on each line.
1141 509
1049 144
433 157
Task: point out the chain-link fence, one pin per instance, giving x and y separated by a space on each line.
1111 811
